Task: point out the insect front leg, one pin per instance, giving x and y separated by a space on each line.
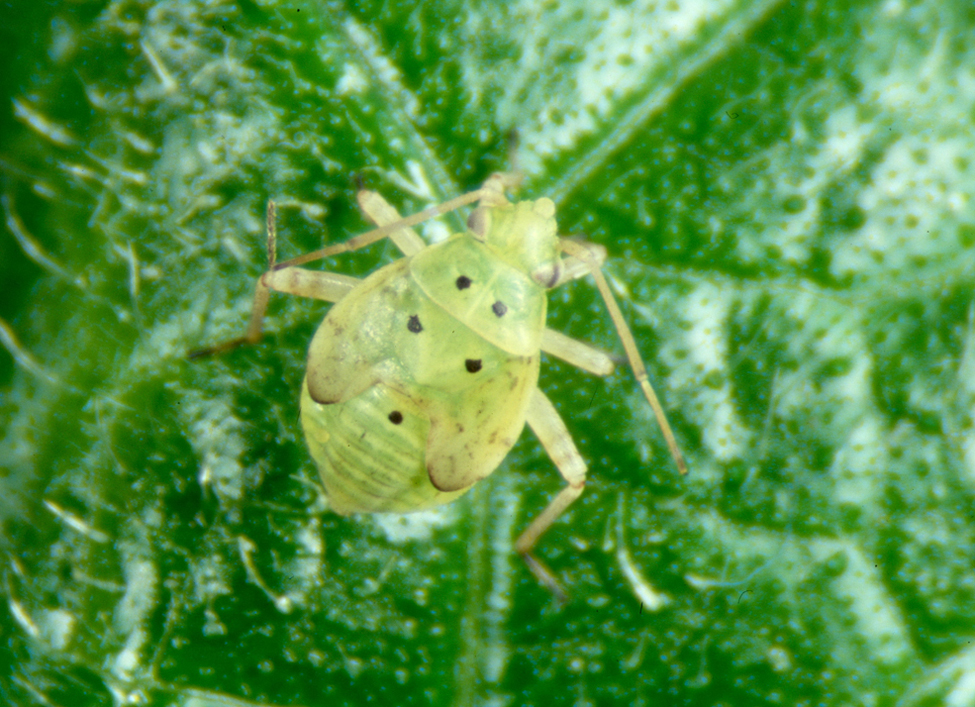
555 438
573 268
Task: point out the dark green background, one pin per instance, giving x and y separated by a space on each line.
786 190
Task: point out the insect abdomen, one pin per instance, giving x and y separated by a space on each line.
370 451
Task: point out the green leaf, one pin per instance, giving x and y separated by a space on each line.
786 194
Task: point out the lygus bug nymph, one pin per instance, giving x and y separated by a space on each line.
423 375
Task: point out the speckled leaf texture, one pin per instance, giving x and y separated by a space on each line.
786 192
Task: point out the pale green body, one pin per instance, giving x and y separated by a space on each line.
423 375
419 379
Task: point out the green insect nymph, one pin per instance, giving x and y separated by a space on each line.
423 375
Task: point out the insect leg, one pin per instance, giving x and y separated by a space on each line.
325 286
492 192
330 287
573 268
582 252
555 438
382 213
578 353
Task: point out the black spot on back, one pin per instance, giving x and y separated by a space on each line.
499 308
473 365
396 417
463 282
414 324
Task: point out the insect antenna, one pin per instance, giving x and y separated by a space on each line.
582 252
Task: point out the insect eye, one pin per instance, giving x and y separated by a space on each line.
479 222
